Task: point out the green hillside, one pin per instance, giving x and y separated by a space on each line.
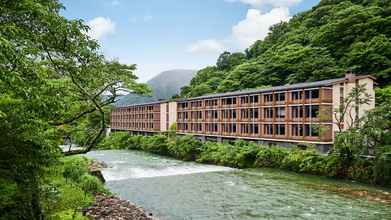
322 43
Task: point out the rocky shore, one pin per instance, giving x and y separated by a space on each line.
113 208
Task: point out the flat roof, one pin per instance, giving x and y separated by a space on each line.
328 82
142 104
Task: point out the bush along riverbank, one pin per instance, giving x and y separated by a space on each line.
243 154
74 189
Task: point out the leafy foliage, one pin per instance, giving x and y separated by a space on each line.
68 187
318 44
244 154
52 82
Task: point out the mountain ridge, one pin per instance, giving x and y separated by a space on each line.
164 85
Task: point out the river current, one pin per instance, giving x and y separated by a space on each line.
177 190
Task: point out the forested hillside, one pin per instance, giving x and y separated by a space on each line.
322 43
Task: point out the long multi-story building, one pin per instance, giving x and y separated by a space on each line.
144 118
297 113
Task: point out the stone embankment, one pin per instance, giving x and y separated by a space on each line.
95 169
113 208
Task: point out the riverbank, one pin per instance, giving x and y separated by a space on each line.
176 190
242 154
113 208
75 190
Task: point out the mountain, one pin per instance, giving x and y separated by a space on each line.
164 86
324 42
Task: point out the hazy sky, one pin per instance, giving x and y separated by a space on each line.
160 35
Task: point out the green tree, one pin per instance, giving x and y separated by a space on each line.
52 75
321 43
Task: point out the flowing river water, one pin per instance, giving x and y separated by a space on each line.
178 190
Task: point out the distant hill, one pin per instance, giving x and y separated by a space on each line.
164 86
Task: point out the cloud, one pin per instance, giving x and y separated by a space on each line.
256 25
100 27
206 46
273 3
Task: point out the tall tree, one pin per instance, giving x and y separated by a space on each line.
52 74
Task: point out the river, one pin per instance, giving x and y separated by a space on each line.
178 190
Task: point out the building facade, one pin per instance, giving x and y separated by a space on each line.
297 113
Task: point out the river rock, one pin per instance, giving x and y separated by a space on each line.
113 208
95 169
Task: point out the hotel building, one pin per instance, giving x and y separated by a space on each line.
291 114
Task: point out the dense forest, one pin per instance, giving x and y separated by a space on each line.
333 37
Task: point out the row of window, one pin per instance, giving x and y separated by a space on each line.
267 98
308 111
135 125
138 109
299 130
135 116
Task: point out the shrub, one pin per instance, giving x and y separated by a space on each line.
333 166
219 153
382 169
185 148
91 184
300 160
75 167
8 199
116 140
73 197
135 142
361 170
270 157
246 153
157 144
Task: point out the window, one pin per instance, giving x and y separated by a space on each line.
254 99
297 112
341 95
229 101
215 114
268 129
311 111
312 94
297 95
280 112
256 129
244 113
211 102
181 105
280 129
228 128
244 128
224 114
256 113
268 112
233 113
297 130
268 98
280 97
244 100
311 130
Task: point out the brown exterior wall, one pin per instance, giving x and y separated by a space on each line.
301 114
294 115
136 118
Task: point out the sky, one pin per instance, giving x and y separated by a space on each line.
160 35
